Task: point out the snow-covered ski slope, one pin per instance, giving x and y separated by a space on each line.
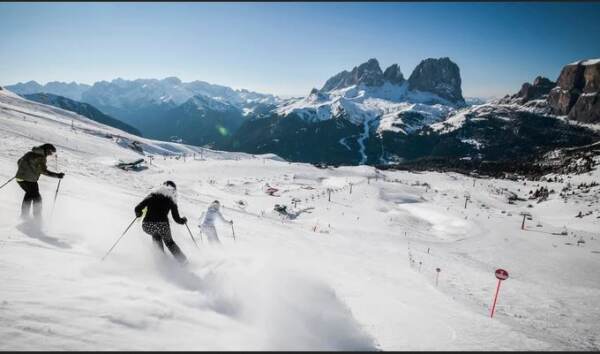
336 277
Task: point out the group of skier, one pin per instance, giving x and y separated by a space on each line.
154 208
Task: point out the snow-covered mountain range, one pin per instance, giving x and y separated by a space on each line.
71 90
367 94
371 116
195 112
365 115
121 93
124 94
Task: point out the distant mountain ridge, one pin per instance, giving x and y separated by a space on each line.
70 90
81 108
194 112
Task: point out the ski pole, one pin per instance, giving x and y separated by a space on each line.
190 231
232 230
123 234
7 182
55 195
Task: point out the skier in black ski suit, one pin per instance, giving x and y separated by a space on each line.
156 222
30 167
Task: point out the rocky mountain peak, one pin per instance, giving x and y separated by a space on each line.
368 73
172 80
541 81
577 93
540 89
370 66
393 74
439 76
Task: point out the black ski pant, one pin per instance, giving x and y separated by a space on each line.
32 198
161 233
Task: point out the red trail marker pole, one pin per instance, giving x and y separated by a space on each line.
501 275
525 215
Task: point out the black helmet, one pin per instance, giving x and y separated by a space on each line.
170 184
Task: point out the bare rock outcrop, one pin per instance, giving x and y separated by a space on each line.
368 73
577 93
439 76
394 75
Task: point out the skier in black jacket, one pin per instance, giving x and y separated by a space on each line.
156 223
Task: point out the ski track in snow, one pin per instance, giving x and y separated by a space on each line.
338 277
361 142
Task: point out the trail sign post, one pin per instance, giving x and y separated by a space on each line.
525 215
501 275
437 275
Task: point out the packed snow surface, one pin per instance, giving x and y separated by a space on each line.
357 272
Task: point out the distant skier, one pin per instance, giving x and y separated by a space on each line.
30 167
156 222
207 221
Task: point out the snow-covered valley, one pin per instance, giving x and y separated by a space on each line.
356 272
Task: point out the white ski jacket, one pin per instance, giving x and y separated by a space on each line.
210 215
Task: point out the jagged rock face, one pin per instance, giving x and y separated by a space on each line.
587 107
394 75
577 93
569 85
540 89
439 76
368 73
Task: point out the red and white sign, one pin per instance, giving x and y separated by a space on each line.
501 274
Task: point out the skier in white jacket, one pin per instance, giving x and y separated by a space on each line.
207 221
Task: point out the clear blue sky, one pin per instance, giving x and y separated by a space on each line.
288 48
